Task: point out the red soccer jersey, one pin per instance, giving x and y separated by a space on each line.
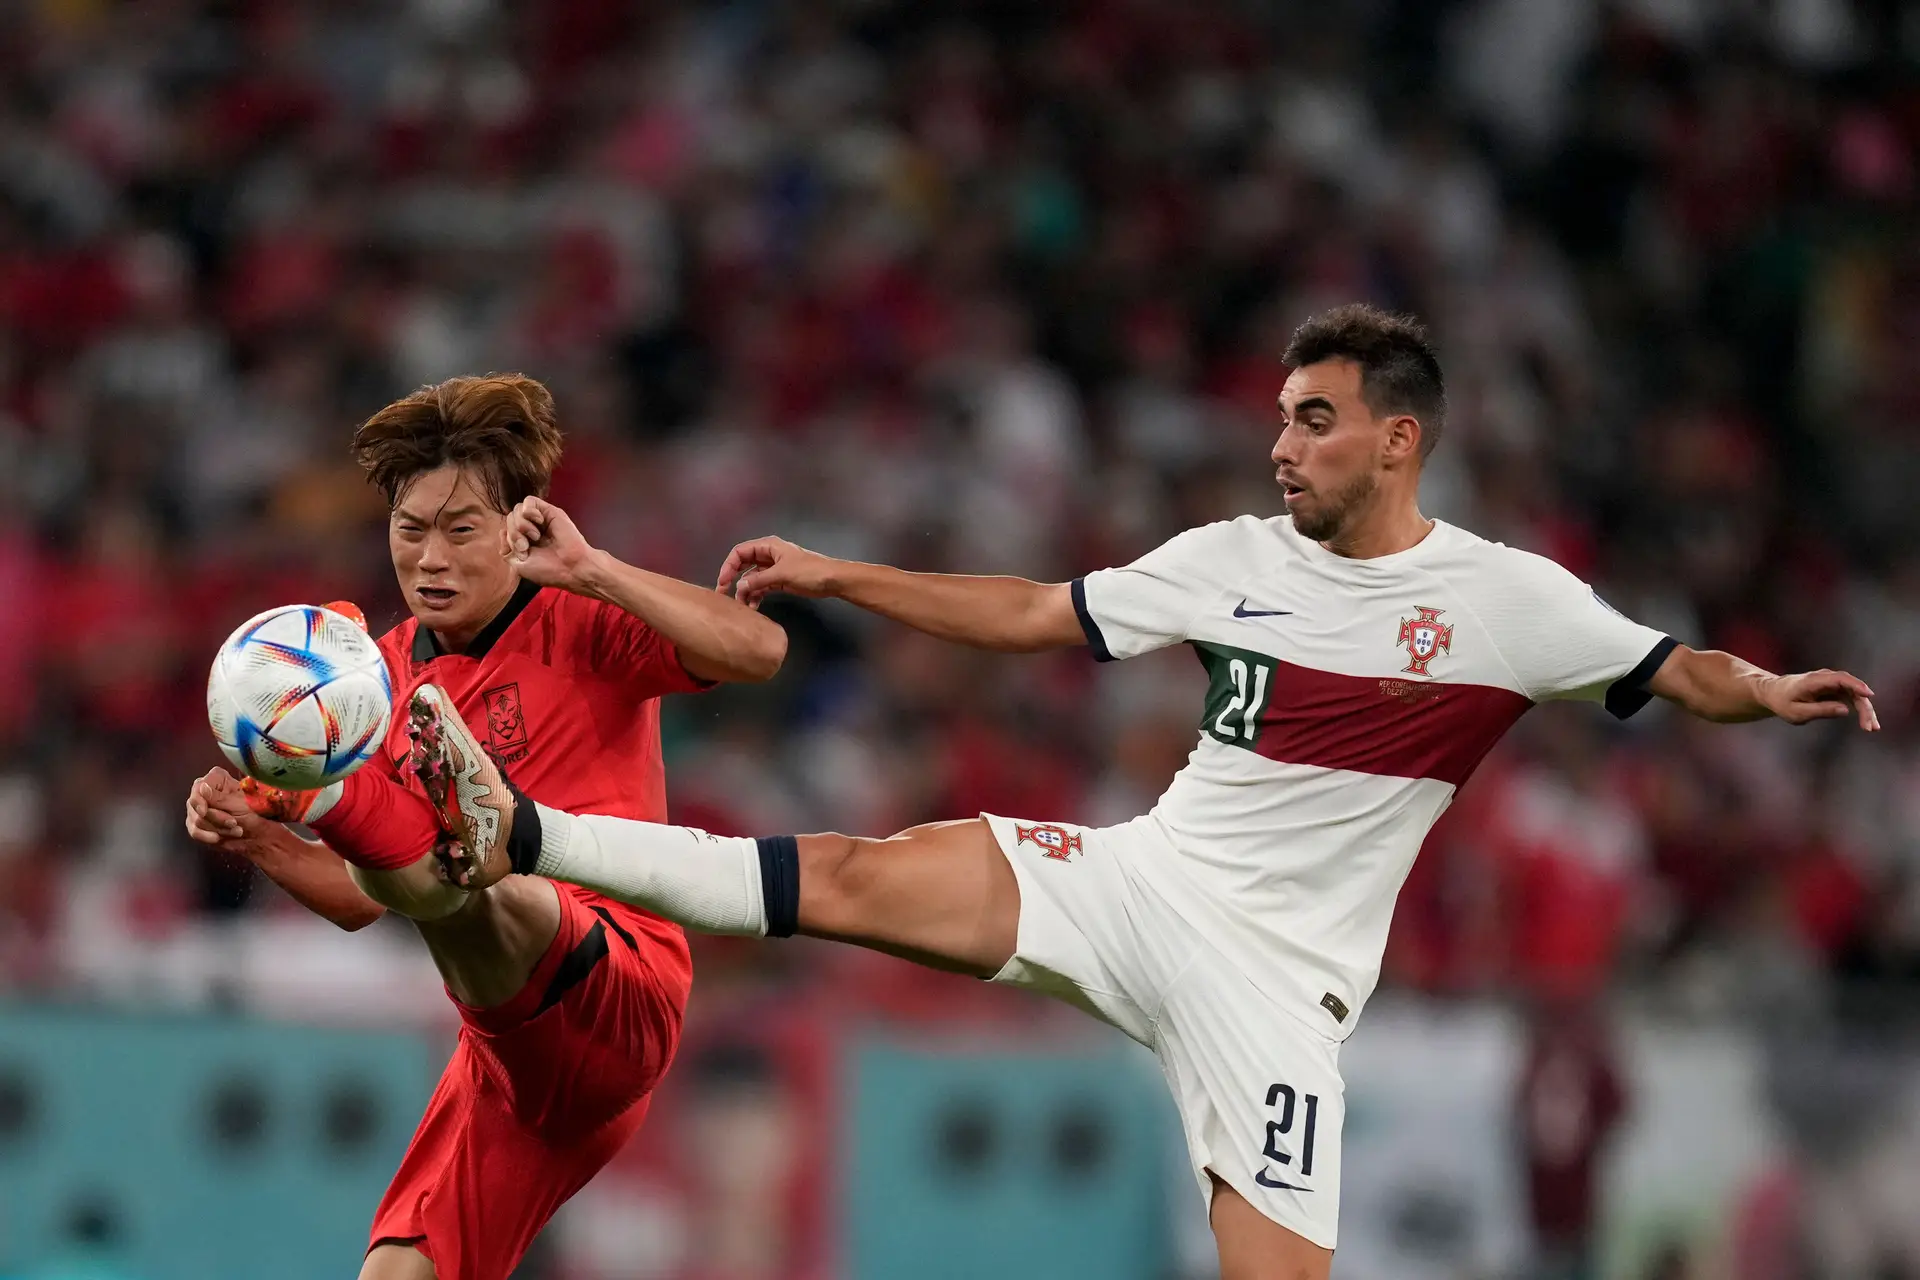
562 690
544 1090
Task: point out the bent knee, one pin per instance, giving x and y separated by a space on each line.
415 891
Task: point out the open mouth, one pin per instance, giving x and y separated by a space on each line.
1288 492
435 595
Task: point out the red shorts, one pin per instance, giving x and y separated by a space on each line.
541 1091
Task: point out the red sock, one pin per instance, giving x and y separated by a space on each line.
378 824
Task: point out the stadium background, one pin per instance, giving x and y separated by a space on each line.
991 287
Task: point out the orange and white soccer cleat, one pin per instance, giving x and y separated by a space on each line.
277 803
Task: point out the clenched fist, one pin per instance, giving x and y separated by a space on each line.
545 546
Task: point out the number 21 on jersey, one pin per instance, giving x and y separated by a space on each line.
1238 683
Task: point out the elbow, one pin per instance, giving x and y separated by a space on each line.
752 658
355 921
768 654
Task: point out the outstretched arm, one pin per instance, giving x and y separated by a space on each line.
718 638
1012 615
1728 690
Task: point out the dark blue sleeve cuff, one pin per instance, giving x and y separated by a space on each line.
1095 641
1629 693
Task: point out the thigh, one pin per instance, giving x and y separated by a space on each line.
1255 1247
487 951
1090 933
596 1026
1261 1104
396 1262
415 891
941 895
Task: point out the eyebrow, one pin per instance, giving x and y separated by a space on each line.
458 513
1311 402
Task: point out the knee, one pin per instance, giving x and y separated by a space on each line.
836 878
415 891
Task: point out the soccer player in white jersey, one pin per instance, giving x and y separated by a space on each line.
1362 659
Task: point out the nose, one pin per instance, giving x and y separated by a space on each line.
433 552
1285 453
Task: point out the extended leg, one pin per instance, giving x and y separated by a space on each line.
943 895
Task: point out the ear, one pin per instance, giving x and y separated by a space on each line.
1403 439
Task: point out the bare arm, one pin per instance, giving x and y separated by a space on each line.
1728 690
718 637
315 877
1012 615
312 874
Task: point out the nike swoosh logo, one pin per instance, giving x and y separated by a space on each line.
1262 1178
1241 611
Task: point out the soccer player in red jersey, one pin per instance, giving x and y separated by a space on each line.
570 1002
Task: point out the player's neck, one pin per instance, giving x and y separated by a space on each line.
1381 531
456 641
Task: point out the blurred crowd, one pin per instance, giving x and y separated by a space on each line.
989 287
984 286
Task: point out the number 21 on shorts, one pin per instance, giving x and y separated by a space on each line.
1305 1107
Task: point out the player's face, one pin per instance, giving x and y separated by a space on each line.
1327 459
447 543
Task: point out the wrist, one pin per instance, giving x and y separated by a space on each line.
1764 687
840 579
266 847
594 576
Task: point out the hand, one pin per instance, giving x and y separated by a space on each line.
756 569
1820 695
218 814
546 547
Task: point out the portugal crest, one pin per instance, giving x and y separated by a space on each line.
1055 841
1426 638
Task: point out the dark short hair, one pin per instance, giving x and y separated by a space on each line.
501 426
1399 372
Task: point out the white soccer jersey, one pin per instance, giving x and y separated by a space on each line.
1348 699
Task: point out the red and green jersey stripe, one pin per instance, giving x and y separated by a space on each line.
1366 724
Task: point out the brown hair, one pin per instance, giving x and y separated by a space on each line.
1399 370
500 426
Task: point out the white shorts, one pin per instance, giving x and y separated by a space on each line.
1257 1084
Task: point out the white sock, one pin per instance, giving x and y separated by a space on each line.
705 882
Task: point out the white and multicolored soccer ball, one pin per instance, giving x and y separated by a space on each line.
299 697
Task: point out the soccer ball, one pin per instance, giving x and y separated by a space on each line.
299 697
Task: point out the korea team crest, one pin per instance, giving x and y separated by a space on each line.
1055 841
506 723
1426 638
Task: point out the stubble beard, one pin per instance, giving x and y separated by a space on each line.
1327 523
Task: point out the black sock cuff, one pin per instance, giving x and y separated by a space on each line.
523 842
780 883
